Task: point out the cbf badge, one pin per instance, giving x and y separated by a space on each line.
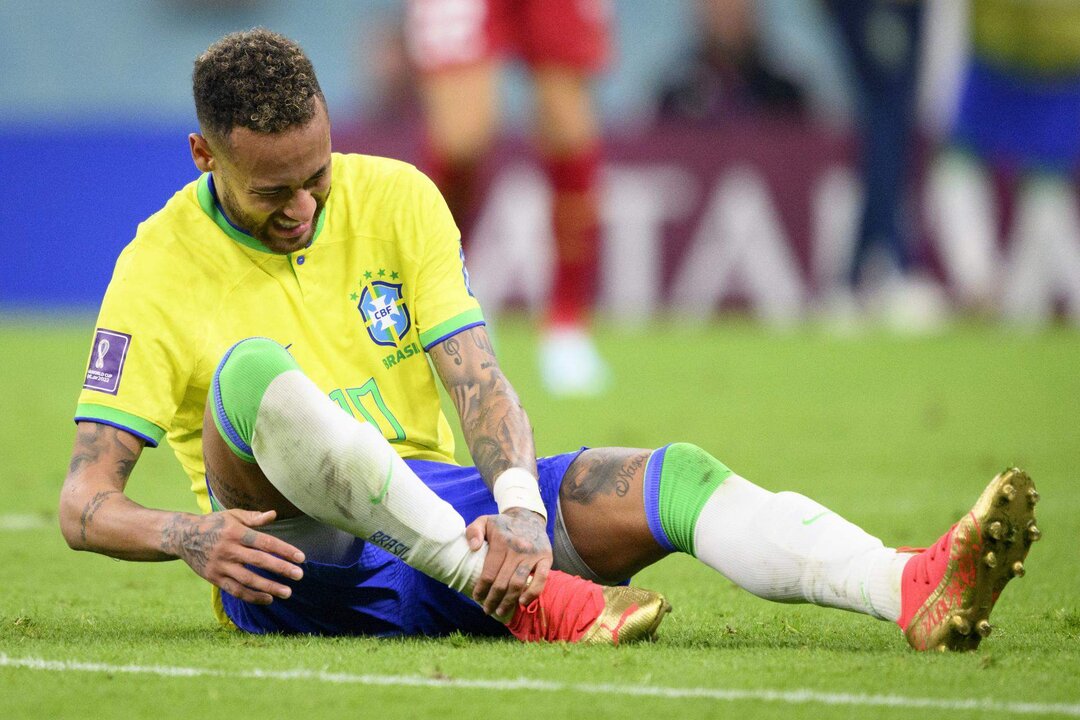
386 316
107 358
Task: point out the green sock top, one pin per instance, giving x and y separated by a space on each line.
688 478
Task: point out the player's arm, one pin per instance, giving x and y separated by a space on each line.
96 515
499 437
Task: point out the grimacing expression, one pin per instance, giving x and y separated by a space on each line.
275 185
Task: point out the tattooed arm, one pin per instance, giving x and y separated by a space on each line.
94 512
96 515
499 437
492 419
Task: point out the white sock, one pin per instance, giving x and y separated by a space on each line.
1044 255
788 548
344 473
963 212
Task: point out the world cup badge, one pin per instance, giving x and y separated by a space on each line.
107 357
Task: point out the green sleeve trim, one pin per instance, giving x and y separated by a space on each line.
134 424
447 328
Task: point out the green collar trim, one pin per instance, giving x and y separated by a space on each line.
210 206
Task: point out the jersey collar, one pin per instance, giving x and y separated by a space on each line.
208 201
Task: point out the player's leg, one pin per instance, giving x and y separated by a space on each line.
293 449
568 139
460 117
566 43
1045 141
992 114
886 83
273 440
965 218
1046 233
454 46
569 143
625 508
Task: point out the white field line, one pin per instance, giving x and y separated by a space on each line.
17 521
791 697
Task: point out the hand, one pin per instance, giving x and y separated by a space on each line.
219 545
518 548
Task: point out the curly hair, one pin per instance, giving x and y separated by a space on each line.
255 79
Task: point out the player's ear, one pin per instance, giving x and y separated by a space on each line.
201 152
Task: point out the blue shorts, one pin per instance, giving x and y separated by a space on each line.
375 593
1028 123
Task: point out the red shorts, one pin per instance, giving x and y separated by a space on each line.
451 33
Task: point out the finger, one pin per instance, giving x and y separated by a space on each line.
258 584
497 591
271 563
519 580
238 591
476 532
270 544
492 564
539 578
255 518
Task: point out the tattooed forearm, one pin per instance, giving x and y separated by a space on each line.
192 538
91 508
489 456
495 425
466 399
497 430
602 472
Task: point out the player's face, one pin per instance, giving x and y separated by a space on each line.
275 186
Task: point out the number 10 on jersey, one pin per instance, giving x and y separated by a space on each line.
368 401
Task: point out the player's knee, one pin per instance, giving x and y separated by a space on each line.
689 463
248 355
250 365
241 378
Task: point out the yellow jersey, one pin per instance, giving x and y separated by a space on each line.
382 281
1037 37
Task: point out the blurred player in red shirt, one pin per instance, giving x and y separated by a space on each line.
458 46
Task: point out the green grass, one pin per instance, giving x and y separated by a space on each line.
898 435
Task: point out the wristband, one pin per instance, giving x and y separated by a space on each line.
517 487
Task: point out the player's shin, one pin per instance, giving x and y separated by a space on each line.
335 469
779 546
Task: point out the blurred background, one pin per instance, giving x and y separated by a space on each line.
839 248
896 162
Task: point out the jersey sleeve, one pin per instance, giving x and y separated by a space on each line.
444 304
139 364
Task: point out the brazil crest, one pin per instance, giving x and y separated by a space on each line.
386 316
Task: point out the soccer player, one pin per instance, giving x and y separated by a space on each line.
1019 111
457 46
274 321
